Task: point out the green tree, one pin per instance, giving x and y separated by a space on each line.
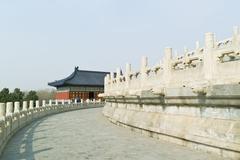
5 95
32 95
17 95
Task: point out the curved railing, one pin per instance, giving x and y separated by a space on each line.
14 116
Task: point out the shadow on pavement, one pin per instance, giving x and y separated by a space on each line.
21 146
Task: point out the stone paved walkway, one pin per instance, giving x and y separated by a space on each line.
87 134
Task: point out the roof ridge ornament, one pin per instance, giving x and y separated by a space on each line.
76 68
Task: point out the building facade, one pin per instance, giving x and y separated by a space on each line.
81 84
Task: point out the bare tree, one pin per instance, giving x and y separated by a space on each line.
46 94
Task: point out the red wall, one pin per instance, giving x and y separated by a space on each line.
62 95
69 95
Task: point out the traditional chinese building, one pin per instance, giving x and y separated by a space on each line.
81 84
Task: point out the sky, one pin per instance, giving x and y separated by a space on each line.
42 41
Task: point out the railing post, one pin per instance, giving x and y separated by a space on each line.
127 74
118 71
106 83
2 110
31 104
236 36
209 58
50 102
37 104
167 65
197 45
43 103
112 86
16 107
143 71
25 106
9 108
87 101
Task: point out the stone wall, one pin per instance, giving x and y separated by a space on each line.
14 116
192 100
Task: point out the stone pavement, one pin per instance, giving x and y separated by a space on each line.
87 134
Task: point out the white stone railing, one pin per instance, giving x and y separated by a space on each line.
216 63
13 116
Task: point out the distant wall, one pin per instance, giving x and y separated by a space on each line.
62 95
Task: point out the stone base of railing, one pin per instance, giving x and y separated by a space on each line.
206 128
11 124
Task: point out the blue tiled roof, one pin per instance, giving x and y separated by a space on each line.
82 78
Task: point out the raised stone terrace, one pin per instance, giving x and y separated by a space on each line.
190 99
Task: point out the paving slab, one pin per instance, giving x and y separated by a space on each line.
88 135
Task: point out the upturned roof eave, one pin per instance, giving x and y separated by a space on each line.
62 81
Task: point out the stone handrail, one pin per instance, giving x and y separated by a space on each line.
216 63
13 117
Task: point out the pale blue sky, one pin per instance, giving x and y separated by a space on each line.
41 41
